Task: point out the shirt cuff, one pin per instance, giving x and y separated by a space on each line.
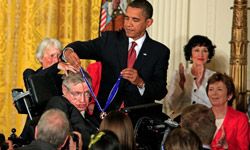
67 48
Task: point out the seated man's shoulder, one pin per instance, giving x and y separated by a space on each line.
56 99
58 102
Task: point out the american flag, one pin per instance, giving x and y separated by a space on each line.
105 16
103 19
109 11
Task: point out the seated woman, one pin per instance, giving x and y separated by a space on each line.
232 126
188 85
120 124
48 54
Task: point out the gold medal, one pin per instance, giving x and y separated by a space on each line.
103 115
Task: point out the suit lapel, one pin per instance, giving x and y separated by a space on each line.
122 46
143 54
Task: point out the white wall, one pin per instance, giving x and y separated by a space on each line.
213 18
175 21
171 28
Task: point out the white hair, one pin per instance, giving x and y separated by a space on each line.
47 42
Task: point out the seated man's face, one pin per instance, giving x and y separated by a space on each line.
78 95
50 57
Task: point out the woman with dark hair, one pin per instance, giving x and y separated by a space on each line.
120 124
232 126
104 140
188 85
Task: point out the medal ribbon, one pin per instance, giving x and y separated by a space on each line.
111 96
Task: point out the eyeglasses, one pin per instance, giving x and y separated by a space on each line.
86 94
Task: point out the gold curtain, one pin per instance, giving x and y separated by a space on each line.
23 24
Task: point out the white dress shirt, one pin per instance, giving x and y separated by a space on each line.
139 43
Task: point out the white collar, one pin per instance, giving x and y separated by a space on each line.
139 43
83 114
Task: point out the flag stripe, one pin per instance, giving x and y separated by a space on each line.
103 19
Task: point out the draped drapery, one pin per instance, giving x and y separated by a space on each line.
23 25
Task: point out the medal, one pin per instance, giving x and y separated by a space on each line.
103 115
111 96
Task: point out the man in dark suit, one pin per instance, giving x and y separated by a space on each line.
74 103
51 131
142 83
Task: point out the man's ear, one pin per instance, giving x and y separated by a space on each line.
65 141
36 132
40 60
149 22
64 89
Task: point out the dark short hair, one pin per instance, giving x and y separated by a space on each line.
199 40
143 4
224 78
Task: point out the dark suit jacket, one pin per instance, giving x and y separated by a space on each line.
77 122
112 50
38 145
